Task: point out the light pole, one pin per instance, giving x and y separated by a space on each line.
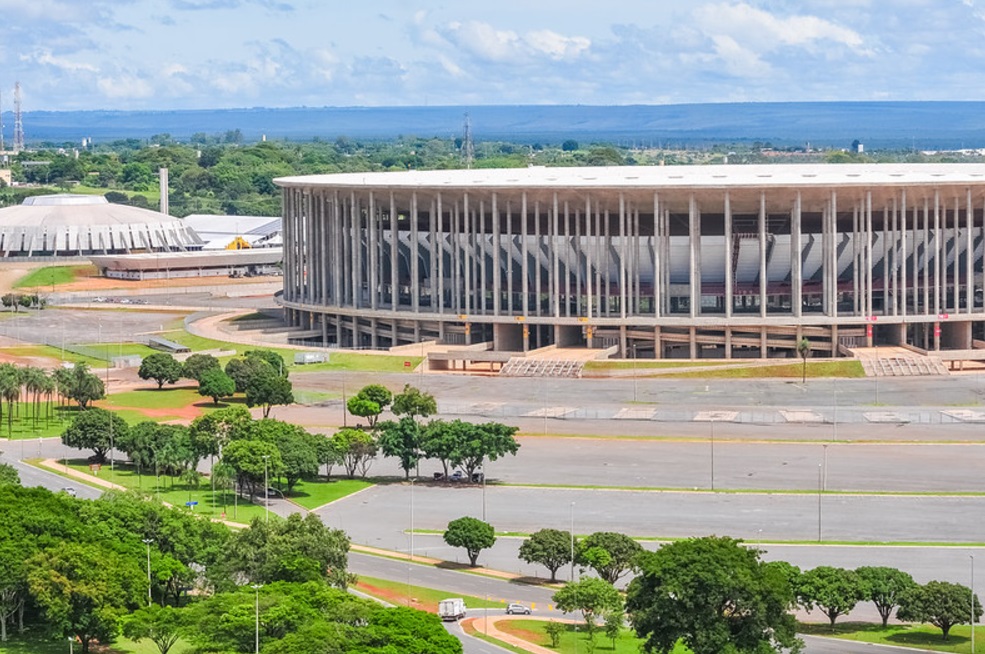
713 453
824 481
635 384
972 604
266 498
256 588
819 502
483 493
572 542
147 542
71 645
412 520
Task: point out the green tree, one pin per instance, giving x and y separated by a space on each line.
472 534
244 370
211 432
401 440
835 591
216 384
252 460
298 449
548 547
273 359
413 403
197 364
297 549
592 596
160 625
554 631
268 391
90 430
161 367
356 448
884 587
82 386
941 603
614 621
370 402
9 475
714 595
84 590
611 555
490 440
804 349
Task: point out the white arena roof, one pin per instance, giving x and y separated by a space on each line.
632 177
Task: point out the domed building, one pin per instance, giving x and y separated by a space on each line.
84 225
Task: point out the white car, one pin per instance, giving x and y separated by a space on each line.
517 609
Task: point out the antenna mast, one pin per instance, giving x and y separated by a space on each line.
468 146
1 121
18 123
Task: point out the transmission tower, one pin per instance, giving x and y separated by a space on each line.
18 123
1 121
468 146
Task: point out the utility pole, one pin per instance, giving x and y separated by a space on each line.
18 123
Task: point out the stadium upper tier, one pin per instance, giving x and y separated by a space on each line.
663 261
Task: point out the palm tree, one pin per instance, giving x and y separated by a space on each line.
804 349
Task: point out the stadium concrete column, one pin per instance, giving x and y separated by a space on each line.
414 255
567 259
693 341
870 291
623 251
728 270
893 245
657 343
796 267
525 266
468 260
969 249
434 253
657 263
728 342
694 252
555 284
496 247
335 230
762 258
903 255
955 248
833 253
439 255
509 257
937 254
856 265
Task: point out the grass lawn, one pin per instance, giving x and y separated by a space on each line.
419 597
32 644
575 641
51 352
650 364
168 397
792 370
176 493
922 636
312 494
25 427
54 276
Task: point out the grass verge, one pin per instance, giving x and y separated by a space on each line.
846 369
420 597
575 640
34 644
923 636
51 276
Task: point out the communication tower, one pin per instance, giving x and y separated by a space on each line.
1 122
18 123
468 146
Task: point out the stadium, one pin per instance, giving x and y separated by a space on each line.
665 262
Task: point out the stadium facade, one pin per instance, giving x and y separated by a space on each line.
689 261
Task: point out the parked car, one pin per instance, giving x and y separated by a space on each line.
516 608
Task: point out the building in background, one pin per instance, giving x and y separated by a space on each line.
235 232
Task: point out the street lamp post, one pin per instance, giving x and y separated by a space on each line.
824 481
256 588
572 533
713 453
483 493
635 383
266 497
819 502
972 604
147 542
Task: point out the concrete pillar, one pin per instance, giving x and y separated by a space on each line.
497 274
763 349
796 260
623 347
694 255
693 334
729 263
762 254
658 350
728 342
834 341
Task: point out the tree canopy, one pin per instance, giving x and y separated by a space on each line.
92 429
714 595
161 367
611 555
941 603
835 591
472 534
548 547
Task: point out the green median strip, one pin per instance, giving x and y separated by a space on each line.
745 491
401 594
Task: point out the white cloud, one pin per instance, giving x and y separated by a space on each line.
125 86
44 57
759 29
484 42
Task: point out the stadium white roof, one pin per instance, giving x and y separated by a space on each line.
630 177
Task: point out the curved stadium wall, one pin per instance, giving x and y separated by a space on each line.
697 261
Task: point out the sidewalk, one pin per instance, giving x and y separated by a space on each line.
487 626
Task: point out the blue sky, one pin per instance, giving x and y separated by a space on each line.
196 54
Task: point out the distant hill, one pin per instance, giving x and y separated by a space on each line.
899 125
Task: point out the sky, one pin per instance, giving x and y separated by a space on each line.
202 54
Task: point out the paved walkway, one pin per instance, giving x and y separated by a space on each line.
487 625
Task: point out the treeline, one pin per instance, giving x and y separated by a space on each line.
90 571
715 594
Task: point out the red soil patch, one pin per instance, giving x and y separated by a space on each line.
394 597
